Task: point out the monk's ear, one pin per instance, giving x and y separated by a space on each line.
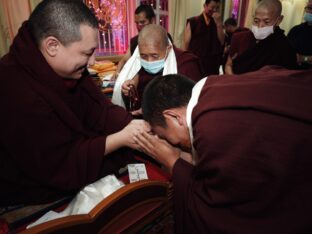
279 20
50 46
169 47
173 115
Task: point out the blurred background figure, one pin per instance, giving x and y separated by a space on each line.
230 27
266 45
144 15
204 37
300 37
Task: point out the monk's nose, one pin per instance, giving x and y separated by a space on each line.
91 60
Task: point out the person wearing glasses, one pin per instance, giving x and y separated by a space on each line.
300 37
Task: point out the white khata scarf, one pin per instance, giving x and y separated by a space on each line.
192 103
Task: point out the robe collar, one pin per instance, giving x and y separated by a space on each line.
192 103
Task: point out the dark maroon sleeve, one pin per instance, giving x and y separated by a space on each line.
50 146
253 156
133 44
241 41
189 65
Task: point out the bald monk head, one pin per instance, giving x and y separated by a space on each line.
154 47
308 13
268 15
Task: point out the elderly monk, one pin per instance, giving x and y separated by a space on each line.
204 36
155 55
58 131
251 142
265 45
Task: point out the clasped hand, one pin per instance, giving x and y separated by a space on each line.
158 149
126 86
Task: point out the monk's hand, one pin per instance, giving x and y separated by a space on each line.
186 156
137 112
234 56
304 59
217 18
158 149
125 87
132 130
114 76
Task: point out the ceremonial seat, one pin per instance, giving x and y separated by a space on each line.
136 207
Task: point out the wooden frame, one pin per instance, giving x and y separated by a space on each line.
128 209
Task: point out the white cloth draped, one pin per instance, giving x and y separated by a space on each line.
192 103
85 200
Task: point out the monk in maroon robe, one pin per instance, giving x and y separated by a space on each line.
58 131
274 50
188 64
265 45
143 15
154 47
204 37
251 138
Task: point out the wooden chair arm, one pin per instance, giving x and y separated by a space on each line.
115 214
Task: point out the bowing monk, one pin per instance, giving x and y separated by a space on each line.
58 131
204 36
265 45
154 56
251 149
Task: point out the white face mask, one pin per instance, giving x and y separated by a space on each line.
262 33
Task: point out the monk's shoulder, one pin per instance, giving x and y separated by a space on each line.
183 56
243 35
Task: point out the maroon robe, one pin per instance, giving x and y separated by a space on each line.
274 50
205 44
253 137
227 43
52 139
133 43
188 65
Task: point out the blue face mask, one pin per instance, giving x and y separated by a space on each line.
308 17
153 67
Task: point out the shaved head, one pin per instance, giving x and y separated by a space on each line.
274 6
153 34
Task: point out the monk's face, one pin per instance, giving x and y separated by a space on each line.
176 133
229 29
266 17
70 61
141 21
211 8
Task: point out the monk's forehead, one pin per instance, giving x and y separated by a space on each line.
273 7
270 12
152 40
